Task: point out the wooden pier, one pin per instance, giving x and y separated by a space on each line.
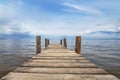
57 62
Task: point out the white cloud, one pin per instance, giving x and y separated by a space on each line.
118 28
36 21
9 10
108 27
8 14
79 8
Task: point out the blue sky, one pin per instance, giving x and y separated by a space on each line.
59 17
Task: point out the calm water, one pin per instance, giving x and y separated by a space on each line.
104 53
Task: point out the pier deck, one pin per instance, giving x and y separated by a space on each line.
58 63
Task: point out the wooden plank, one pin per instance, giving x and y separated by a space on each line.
53 54
58 51
59 64
58 61
32 76
55 46
61 70
60 57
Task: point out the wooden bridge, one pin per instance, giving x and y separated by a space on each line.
57 62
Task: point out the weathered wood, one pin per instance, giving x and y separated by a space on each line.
38 44
58 61
46 42
61 41
58 54
78 44
59 58
58 64
61 70
45 76
65 42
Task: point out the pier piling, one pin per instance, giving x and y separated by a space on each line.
78 44
38 44
61 41
46 42
65 43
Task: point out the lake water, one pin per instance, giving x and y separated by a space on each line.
104 53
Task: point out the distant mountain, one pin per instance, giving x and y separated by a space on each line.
15 35
105 32
103 35
92 35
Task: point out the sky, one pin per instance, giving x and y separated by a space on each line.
59 17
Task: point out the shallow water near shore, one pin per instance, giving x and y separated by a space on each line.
104 53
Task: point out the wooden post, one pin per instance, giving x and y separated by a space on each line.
78 44
61 41
65 43
38 44
46 42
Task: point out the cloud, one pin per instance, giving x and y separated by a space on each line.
79 8
31 17
9 10
7 26
113 27
9 13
